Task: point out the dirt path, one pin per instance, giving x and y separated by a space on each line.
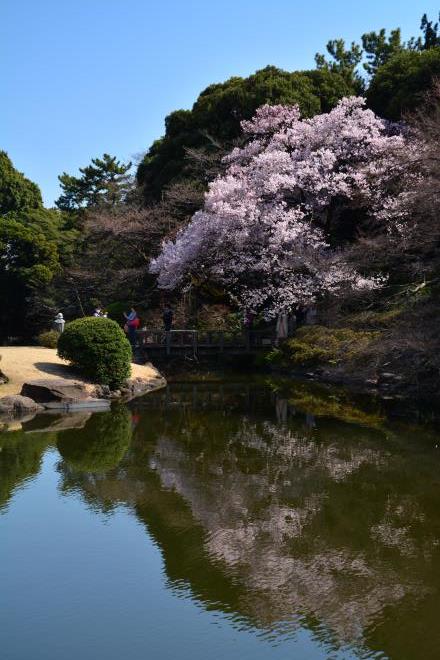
23 363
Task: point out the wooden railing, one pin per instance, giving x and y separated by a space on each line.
206 340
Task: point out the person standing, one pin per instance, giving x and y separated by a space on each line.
167 317
132 325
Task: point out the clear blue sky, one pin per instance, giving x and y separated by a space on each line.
83 77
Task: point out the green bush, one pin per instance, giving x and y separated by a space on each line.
316 344
99 348
273 357
48 338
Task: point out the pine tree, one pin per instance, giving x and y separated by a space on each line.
103 183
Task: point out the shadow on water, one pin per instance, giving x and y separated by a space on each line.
285 508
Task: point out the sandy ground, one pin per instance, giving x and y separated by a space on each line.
23 363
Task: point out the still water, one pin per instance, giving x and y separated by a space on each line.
240 520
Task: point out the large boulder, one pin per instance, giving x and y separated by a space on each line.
16 404
63 394
60 390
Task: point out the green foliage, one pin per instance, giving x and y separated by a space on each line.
17 193
399 85
101 445
33 245
48 339
373 320
99 348
329 87
431 34
103 183
27 253
214 121
343 62
380 48
115 311
29 258
318 345
274 357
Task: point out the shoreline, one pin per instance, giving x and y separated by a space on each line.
39 380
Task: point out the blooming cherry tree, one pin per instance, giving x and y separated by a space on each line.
264 232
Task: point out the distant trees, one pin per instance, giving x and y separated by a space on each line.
400 85
431 34
344 61
104 183
379 48
33 244
16 191
400 73
99 197
34 241
212 125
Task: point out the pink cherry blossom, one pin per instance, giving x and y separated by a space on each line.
263 233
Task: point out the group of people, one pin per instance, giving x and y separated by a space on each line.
99 313
59 321
132 321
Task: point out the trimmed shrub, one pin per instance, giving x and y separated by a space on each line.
99 348
48 338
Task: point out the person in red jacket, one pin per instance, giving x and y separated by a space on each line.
132 325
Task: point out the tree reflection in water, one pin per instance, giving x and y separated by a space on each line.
282 517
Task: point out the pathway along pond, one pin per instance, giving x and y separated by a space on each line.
239 520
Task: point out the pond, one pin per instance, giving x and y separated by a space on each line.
245 519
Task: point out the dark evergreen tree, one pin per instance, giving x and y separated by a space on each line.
103 183
344 61
212 126
16 191
379 48
401 84
431 34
